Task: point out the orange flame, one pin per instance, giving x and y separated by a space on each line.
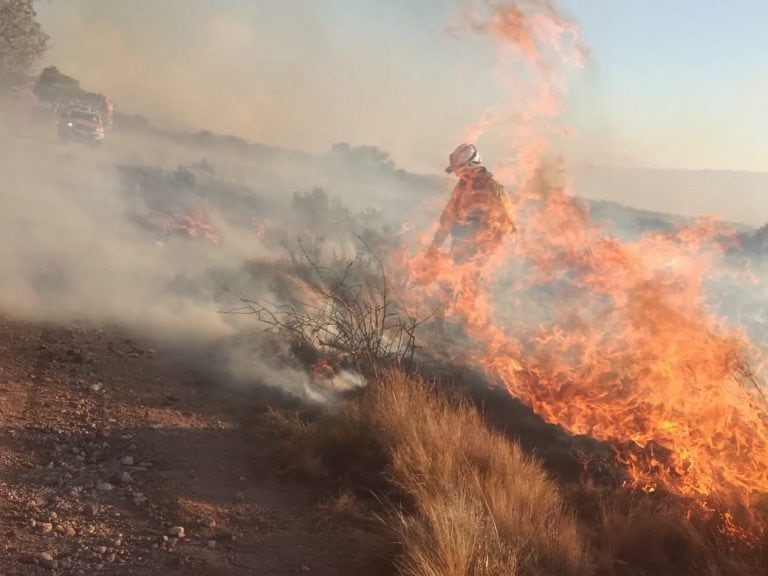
322 369
189 223
623 349
603 337
194 227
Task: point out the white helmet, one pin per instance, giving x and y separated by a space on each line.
464 156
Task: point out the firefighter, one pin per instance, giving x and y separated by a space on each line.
479 214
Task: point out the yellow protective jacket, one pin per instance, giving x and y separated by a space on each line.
478 203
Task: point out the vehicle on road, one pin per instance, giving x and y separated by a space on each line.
81 125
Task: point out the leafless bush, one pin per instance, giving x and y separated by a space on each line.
348 311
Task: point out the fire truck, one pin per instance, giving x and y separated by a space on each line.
84 118
80 124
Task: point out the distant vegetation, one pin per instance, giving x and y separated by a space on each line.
22 43
52 86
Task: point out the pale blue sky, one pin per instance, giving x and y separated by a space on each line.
680 84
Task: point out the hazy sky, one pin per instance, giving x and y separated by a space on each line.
678 84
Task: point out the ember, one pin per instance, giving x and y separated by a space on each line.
192 226
187 223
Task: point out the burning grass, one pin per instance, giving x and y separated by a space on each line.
458 498
617 341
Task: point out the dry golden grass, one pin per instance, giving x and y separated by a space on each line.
480 505
635 534
469 501
463 500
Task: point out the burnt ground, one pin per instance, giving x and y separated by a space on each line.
109 447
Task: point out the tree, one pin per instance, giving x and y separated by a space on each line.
22 42
52 86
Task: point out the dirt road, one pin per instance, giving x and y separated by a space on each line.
116 458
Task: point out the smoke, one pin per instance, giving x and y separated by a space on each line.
275 72
537 49
620 340
68 248
162 231
122 234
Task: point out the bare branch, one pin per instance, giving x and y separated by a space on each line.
353 317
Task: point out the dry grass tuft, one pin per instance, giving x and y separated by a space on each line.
636 533
481 506
655 538
463 500
469 501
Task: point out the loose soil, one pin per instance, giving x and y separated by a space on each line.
110 445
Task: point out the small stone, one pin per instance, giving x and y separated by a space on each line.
104 487
52 517
208 521
176 532
92 509
47 561
125 478
96 387
111 557
32 523
127 461
305 568
69 532
45 527
101 549
211 544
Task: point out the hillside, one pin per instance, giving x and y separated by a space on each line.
141 271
